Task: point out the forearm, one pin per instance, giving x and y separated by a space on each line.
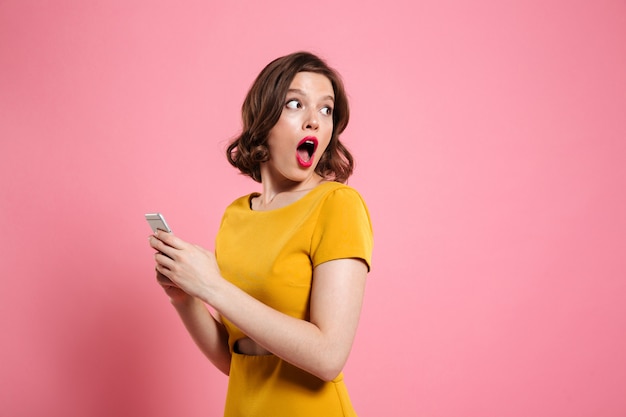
299 342
207 332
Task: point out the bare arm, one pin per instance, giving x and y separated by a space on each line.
206 331
320 347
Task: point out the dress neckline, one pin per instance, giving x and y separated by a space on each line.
304 197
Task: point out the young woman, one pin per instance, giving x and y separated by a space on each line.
288 275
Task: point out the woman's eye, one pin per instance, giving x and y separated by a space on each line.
293 104
327 111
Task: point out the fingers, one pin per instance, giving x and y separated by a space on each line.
162 247
169 239
164 280
164 264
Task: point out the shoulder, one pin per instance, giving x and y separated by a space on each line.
335 193
338 190
343 227
340 203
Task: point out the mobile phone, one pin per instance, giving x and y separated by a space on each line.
157 222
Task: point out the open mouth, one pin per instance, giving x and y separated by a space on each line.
305 151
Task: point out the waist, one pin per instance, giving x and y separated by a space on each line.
247 346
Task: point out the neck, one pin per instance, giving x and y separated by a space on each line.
279 193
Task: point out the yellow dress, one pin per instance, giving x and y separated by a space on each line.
271 255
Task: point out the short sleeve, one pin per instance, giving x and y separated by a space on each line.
343 229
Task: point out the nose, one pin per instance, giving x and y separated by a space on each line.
311 121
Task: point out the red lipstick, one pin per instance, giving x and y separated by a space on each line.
305 151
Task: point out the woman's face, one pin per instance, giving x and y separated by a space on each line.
303 131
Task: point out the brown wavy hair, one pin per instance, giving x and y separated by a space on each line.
263 106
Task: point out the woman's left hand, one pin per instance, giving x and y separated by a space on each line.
191 267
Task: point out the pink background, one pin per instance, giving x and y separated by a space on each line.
490 146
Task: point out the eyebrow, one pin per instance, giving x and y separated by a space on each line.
302 93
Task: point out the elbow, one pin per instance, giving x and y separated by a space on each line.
329 369
330 362
329 375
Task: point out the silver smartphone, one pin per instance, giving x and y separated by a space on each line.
157 222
